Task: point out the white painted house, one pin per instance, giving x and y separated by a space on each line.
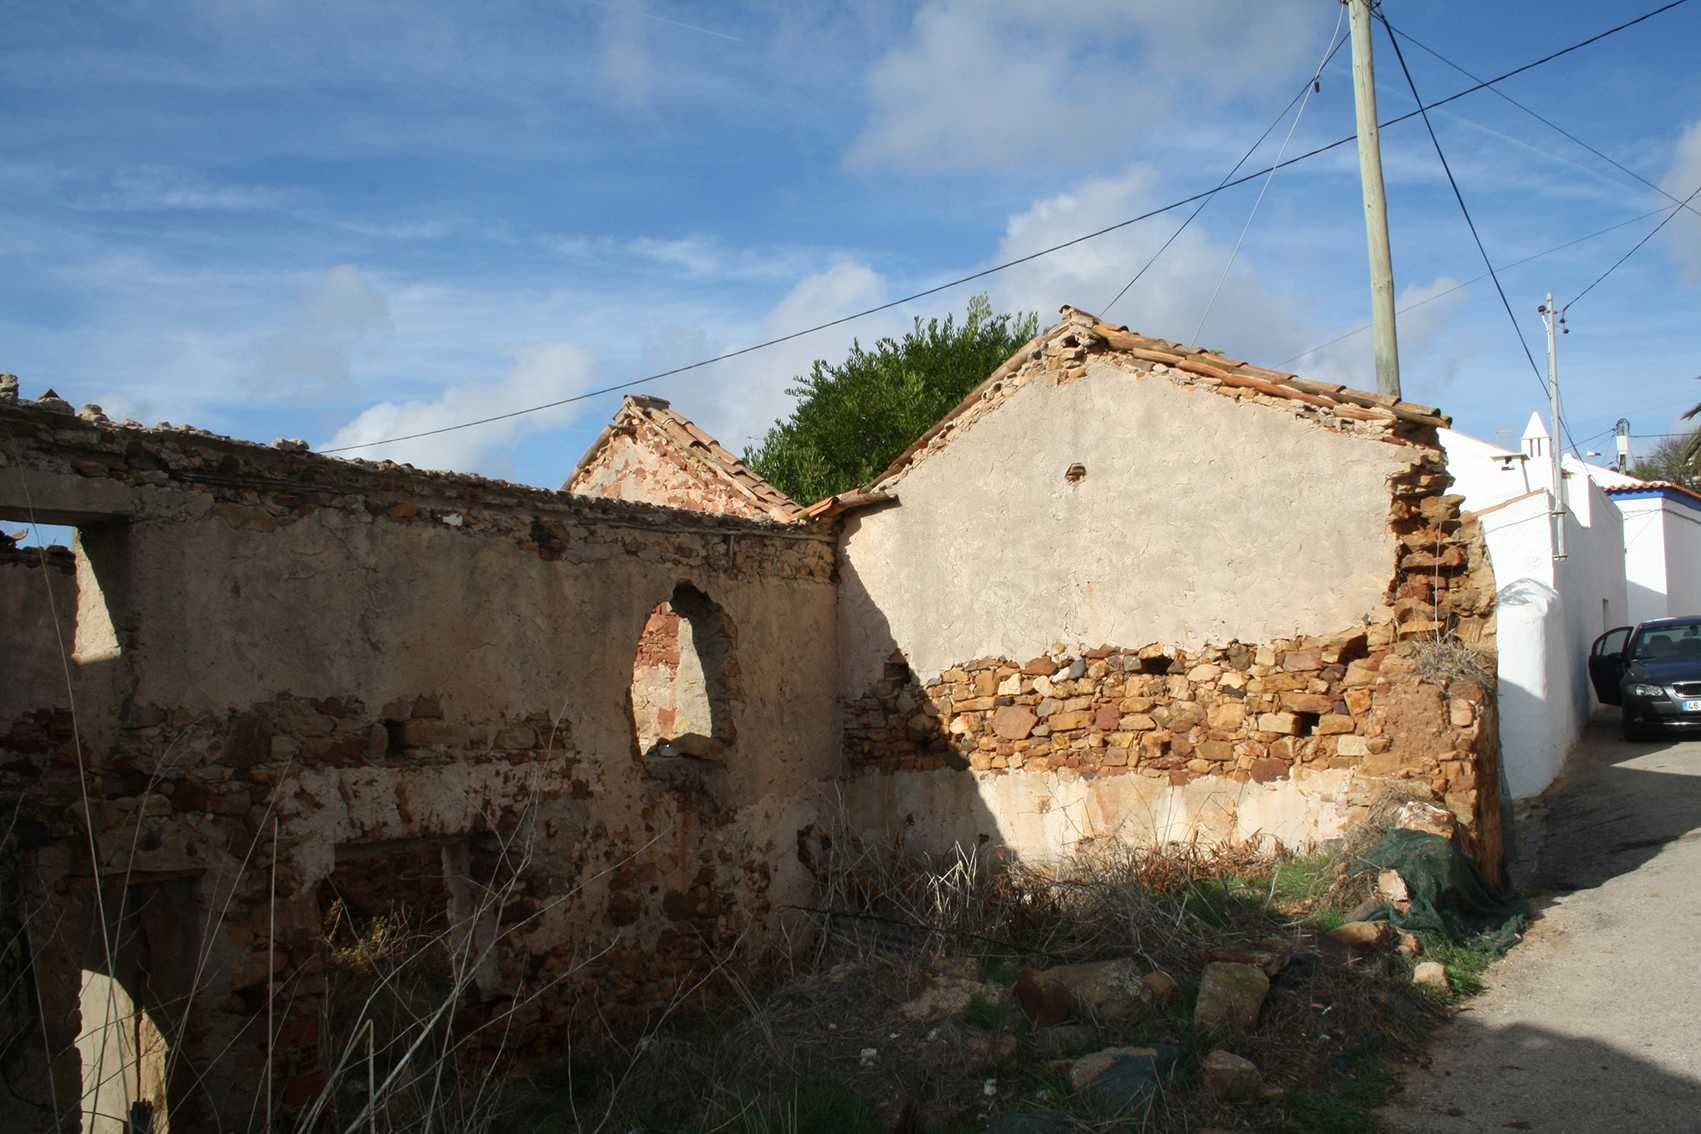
1632 552
1550 608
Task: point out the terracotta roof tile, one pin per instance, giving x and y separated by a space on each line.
1082 332
641 410
1667 485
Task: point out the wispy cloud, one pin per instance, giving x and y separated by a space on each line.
978 86
541 372
1680 181
153 187
334 317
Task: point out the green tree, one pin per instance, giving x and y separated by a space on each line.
1672 459
853 418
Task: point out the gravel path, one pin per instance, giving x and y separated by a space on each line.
1593 1023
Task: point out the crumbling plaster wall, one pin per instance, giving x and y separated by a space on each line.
365 655
1198 519
1211 632
633 465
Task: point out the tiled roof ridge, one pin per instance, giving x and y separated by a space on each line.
638 410
1647 485
1083 333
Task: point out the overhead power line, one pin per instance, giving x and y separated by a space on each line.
1299 96
1007 264
1428 299
1545 121
1458 196
1651 233
1305 100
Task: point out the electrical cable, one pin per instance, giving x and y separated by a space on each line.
1651 233
1007 264
1472 225
1414 305
1305 100
1545 121
1303 92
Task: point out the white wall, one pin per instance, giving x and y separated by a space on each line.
1683 557
1549 610
1662 555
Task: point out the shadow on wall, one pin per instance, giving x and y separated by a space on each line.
1645 603
1523 1077
983 772
1538 724
916 740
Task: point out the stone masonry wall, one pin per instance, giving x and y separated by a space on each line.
1397 703
349 669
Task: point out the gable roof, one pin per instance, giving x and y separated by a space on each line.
1063 349
654 417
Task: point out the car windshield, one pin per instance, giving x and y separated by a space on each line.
1679 641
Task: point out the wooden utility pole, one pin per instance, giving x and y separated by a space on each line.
1555 450
1375 203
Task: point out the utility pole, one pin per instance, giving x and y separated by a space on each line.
1551 318
1375 203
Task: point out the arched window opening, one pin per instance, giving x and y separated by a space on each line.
683 681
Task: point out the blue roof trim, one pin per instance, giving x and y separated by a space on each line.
1671 494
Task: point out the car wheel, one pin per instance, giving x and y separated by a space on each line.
1632 730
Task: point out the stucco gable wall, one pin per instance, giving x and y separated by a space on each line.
635 465
1200 519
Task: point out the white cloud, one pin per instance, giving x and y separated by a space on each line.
745 395
541 372
1433 347
153 187
1248 319
981 85
1680 181
697 256
334 317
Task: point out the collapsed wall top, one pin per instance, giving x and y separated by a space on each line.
652 453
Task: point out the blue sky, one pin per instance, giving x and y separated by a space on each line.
343 222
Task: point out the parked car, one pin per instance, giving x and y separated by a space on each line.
1653 672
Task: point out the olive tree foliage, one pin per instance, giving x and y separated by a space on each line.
853 417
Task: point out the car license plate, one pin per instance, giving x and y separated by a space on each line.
1690 706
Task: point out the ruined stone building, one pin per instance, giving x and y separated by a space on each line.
1126 589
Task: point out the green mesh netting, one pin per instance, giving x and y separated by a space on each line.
1449 895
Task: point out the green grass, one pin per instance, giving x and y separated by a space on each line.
987 1015
818 1103
1300 878
1347 1106
1003 970
1464 964
1327 918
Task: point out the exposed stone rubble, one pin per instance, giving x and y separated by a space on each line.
1230 1076
1230 997
1371 699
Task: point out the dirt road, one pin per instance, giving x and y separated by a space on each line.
1593 1023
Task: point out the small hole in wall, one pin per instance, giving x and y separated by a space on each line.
1076 474
1307 723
